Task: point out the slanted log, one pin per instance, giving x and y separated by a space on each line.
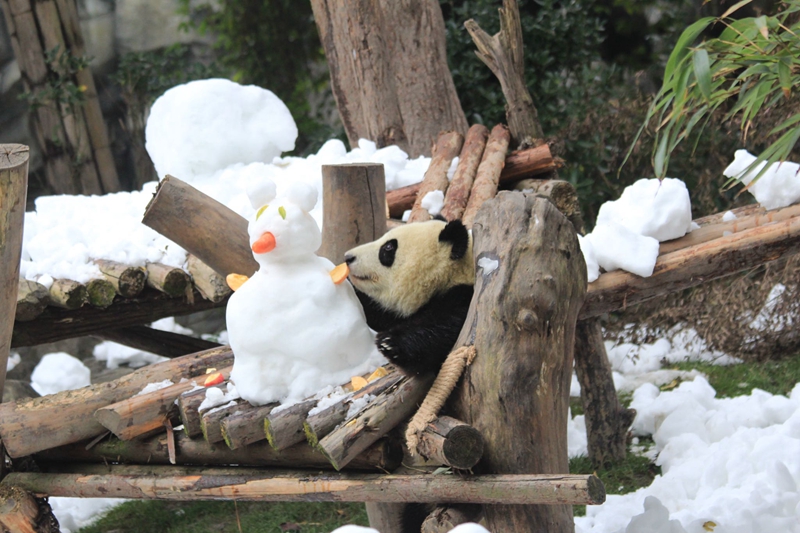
211 420
202 226
55 324
143 413
319 424
68 294
285 428
488 175
188 409
446 517
167 279
457 196
21 512
447 147
32 425
384 455
32 299
694 265
13 192
181 483
520 164
522 324
127 280
382 415
100 293
164 343
451 442
246 425
207 281
356 199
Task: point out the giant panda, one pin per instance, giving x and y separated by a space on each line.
415 284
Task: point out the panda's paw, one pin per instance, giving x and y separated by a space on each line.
388 346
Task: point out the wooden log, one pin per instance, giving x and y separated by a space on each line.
32 299
207 281
457 196
21 512
164 343
100 293
451 442
143 413
488 175
189 406
382 415
246 425
285 428
13 194
68 294
561 193
520 164
167 279
384 455
356 199
523 325
32 425
211 421
200 483
319 424
693 265
127 280
750 218
447 147
607 422
446 517
55 324
202 226
504 55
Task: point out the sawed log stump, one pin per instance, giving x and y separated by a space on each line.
516 392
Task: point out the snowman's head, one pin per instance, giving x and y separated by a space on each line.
282 227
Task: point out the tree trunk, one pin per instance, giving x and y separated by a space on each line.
69 125
21 512
389 71
516 392
13 191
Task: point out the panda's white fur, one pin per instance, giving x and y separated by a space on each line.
422 268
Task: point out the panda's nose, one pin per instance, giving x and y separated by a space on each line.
349 258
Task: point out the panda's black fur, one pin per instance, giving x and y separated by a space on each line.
416 285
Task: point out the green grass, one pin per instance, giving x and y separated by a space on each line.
221 517
776 377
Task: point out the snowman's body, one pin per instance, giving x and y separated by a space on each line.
292 330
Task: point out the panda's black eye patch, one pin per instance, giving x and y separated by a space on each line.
387 253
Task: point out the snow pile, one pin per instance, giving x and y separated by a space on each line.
13 360
203 126
778 186
215 397
76 513
433 202
310 332
733 462
58 372
628 230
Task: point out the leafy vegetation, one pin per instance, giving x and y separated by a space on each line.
775 377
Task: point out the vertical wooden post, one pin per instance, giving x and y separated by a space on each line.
66 116
13 193
354 200
522 324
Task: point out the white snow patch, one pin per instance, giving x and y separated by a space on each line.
778 186
215 397
152 387
488 265
13 360
76 513
592 267
116 355
469 527
354 529
58 372
357 405
615 246
729 216
433 202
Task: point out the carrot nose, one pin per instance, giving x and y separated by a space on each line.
265 243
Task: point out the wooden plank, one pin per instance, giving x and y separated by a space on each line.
200 483
56 324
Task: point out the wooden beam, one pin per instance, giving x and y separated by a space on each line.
13 194
55 324
164 343
127 280
457 196
31 425
447 147
487 177
199 483
451 442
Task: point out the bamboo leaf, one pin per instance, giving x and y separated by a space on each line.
687 37
785 124
735 7
761 24
702 72
661 154
785 76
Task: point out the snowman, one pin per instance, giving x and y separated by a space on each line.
295 326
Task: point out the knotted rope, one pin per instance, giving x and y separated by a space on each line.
444 384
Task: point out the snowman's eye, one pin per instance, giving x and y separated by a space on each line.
261 210
282 212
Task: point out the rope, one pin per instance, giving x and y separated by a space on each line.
444 384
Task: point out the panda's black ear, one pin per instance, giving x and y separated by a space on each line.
457 235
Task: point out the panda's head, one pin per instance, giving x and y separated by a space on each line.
405 268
